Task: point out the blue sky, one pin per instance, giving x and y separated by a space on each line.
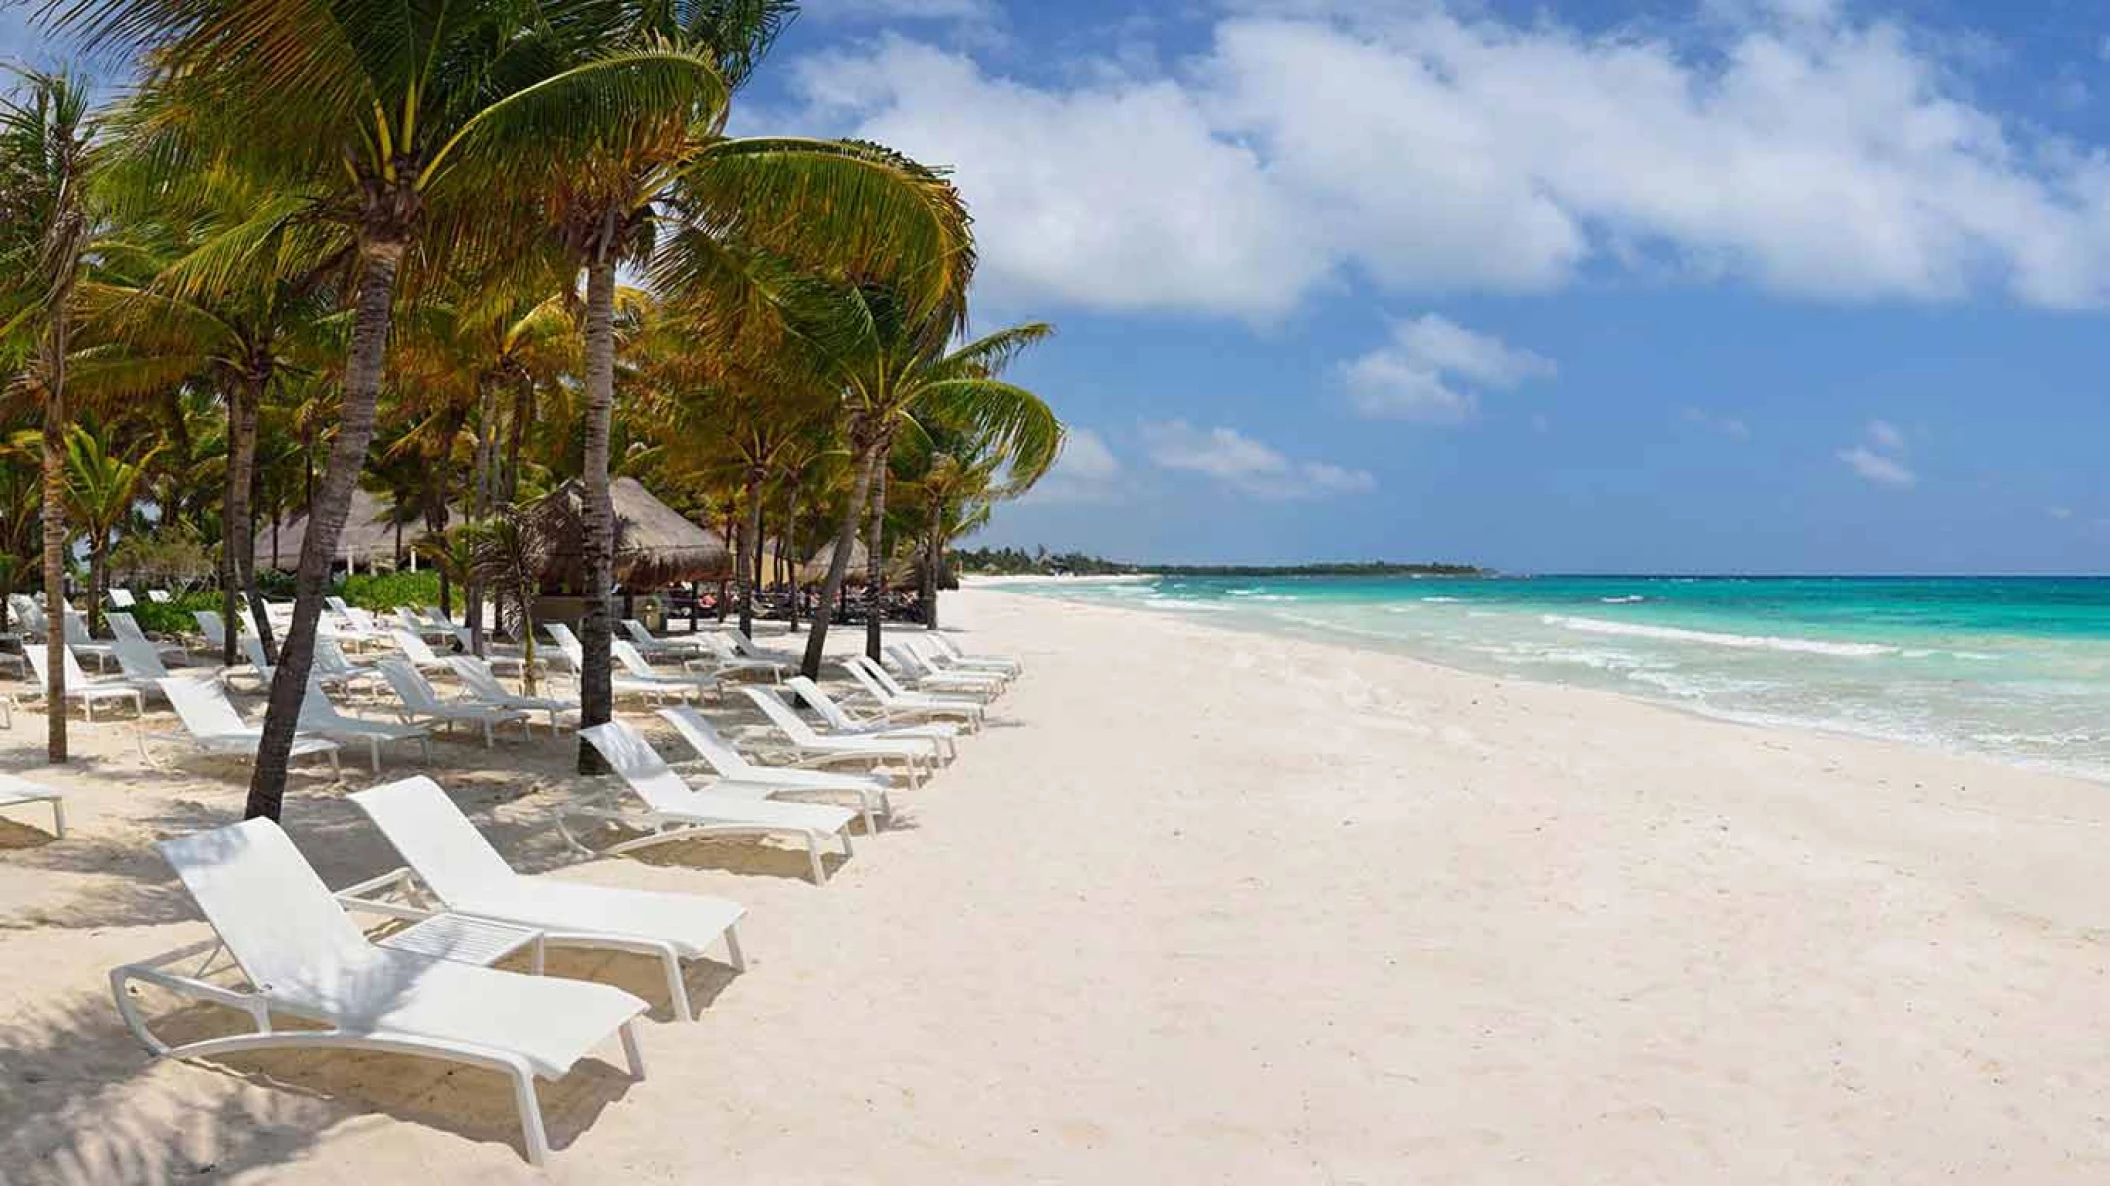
1785 285
1766 285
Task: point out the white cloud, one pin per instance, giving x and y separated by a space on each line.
1086 472
1238 462
1116 195
1884 471
2060 513
1881 458
1788 145
1729 426
1429 370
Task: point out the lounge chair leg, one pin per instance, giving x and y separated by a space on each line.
813 854
871 824
631 1053
733 954
531 1110
677 991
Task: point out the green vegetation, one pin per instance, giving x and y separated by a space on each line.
1041 562
304 251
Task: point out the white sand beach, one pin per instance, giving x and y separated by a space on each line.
1199 906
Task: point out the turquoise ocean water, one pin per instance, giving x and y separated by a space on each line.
2012 668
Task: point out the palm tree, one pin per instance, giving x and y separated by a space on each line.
838 207
48 136
508 554
892 364
427 129
101 488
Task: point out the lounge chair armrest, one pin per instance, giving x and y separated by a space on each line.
246 1000
373 896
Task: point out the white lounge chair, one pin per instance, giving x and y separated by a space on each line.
927 678
214 630
808 744
941 738
121 597
16 791
143 667
125 628
641 675
731 765
668 648
484 688
746 647
214 727
939 662
84 643
1002 663
419 991
159 596
415 650
421 703
462 874
320 717
731 662
80 688
894 701
655 690
336 671
678 812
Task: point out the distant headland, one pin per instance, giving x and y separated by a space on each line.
1041 562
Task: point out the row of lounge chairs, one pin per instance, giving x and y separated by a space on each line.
284 944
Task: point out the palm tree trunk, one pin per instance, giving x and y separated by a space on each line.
875 560
838 564
56 419
233 501
933 571
749 573
96 553
787 548
597 512
381 255
240 515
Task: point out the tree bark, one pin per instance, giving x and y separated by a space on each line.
241 507
933 570
381 255
875 560
747 573
787 547
56 420
597 512
838 564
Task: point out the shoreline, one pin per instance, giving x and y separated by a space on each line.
1232 621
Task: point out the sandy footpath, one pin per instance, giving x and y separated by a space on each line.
1200 906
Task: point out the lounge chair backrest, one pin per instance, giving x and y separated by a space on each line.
822 703
910 661
873 688
203 708
637 632
632 662
408 620
410 644
567 642
338 604
719 646
704 738
275 915
632 757
75 677
124 625
209 624
329 657
157 596
138 658
435 838
409 686
76 629
780 714
476 675
121 597
878 671
316 708
744 645
253 650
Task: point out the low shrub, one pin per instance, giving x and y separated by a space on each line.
173 617
385 591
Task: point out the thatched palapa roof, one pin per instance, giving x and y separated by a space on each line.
654 545
900 569
369 534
